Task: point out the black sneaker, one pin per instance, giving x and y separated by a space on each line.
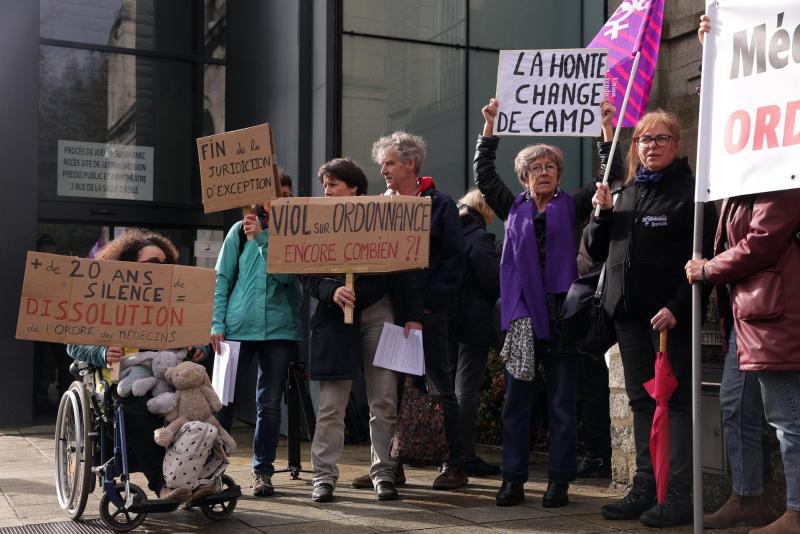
479 468
322 493
594 468
676 510
640 498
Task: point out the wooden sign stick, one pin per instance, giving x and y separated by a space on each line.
113 374
348 310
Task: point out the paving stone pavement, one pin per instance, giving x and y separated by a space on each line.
27 496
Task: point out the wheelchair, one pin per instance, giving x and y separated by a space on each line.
91 449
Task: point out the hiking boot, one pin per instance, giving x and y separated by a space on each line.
640 498
510 494
594 468
452 477
676 510
365 481
788 523
479 468
556 494
262 485
322 493
738 511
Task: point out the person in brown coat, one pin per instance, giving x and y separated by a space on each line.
757 258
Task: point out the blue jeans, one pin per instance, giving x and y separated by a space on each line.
560 372
740 403
273 366
780 391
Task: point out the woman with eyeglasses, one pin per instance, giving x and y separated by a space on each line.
538 265
645 237
141 246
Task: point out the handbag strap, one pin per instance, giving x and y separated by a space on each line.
598 292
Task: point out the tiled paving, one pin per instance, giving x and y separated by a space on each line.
27 496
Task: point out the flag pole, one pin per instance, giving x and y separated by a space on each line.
634 68
697 287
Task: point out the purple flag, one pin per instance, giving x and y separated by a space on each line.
635 26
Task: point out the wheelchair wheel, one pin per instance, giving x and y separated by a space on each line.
73 450
120 519
221 510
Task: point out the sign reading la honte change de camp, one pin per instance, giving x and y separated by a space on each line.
749 130
550 92
238 168
349 234
114 303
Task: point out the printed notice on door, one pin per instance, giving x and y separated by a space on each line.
105 170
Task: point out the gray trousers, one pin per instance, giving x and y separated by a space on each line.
328 444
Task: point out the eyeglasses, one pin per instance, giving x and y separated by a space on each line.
661 140
537 169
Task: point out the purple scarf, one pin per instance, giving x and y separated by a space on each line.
522 286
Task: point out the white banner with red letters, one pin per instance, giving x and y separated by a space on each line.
749 130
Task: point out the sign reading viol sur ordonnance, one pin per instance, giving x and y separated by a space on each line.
114 303
238 168
349 234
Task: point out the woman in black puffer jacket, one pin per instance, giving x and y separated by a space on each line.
474 328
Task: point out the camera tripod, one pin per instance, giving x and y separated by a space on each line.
300 416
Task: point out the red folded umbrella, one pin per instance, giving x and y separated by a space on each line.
661 387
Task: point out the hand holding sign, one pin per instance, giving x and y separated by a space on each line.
489 113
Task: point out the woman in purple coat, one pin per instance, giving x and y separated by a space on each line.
536 270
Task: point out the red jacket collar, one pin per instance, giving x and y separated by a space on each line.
425 183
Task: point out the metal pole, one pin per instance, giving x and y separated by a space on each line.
697 371
634 68
697 253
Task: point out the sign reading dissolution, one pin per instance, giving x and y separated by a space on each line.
105 170
238 168
114 303
349 234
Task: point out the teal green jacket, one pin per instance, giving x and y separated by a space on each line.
93 354
262 306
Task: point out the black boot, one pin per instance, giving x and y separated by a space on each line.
676 510
510 494
640 498
594 468
556 494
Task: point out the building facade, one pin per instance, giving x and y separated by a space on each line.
102 101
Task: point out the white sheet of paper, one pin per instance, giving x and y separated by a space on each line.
400 353
226 362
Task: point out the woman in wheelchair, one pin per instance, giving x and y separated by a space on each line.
140 246
139 424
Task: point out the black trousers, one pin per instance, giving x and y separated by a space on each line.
143 452
593 407
638 344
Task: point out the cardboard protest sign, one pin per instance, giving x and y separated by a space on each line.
749 129
238 168
550 92
114 303
349 234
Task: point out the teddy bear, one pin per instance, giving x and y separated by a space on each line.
195 400
163 400
136 375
